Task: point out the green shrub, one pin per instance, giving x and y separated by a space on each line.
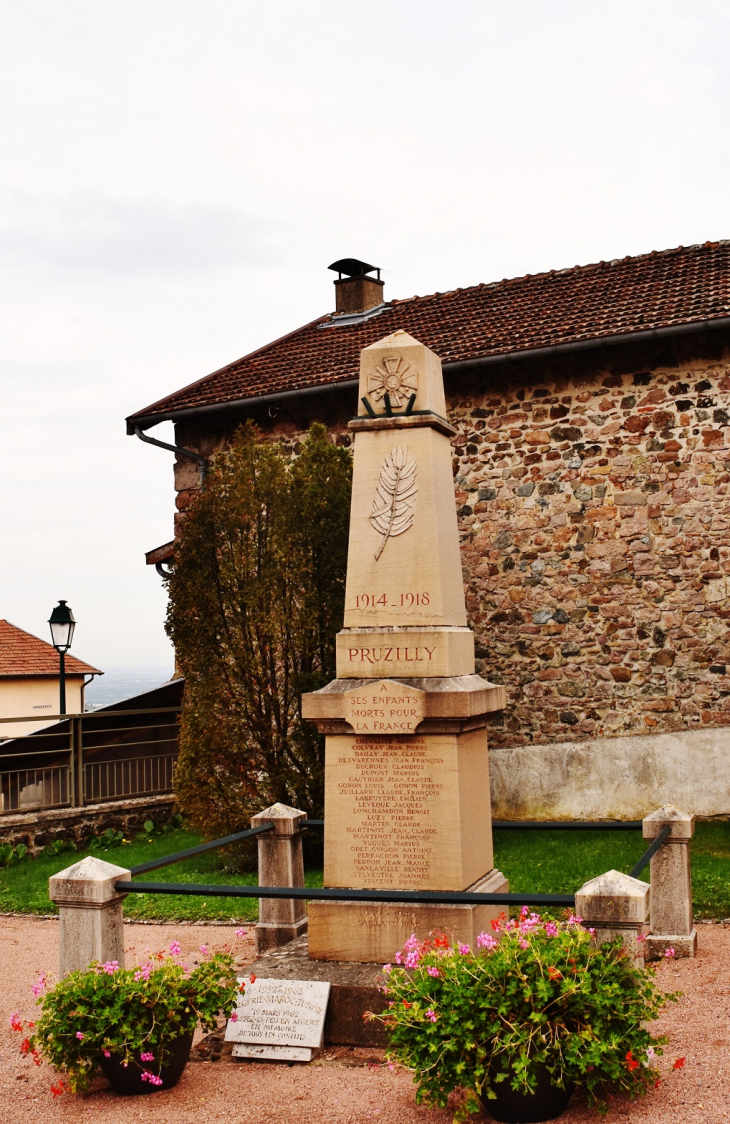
11 856
256 598
59 847
106 840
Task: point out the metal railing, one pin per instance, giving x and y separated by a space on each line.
23 790
88 758
133 776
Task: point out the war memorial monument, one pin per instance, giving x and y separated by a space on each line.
407 802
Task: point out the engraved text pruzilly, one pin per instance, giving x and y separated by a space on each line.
390 655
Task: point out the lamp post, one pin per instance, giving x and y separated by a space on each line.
62 633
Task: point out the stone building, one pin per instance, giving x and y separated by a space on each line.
592 477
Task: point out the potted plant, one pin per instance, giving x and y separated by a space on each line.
534 1011
137 1024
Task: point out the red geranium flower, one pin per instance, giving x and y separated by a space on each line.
679 1064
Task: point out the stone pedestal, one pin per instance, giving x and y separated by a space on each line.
90 913
672 923
407 802
372 932
616 905
280 864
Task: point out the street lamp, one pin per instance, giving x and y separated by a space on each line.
62 633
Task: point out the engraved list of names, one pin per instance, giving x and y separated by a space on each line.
390 821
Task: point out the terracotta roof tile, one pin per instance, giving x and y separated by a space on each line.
24 654
679 286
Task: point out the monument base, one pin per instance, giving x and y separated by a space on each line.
274 934
684 945
370 932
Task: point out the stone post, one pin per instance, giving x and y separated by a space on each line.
280 864
616 905
671 887
90 913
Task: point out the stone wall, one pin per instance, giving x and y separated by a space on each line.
593 494
37 829
595 508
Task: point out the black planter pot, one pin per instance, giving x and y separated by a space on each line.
546 1103
127 1080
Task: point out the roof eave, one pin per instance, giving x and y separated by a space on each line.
141 421
49 674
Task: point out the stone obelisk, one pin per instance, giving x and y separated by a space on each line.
407 802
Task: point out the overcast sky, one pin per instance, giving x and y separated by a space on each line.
177 174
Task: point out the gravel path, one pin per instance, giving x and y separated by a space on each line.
346 1086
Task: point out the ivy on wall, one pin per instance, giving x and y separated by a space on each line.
256 599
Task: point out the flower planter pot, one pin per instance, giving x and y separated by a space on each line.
127 1080
546 1103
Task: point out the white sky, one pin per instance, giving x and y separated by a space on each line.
176 175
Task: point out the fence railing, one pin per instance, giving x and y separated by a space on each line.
25 789
87 758
135 776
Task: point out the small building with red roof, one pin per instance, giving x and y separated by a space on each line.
29 683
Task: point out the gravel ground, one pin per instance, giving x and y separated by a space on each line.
342 1087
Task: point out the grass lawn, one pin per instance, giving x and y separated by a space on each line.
559 862
535 861
24 888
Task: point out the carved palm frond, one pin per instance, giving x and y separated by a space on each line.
395 496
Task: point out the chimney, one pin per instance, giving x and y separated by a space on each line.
354 290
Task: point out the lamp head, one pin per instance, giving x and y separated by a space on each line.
62 624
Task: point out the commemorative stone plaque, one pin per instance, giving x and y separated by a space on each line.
407 802
279 1019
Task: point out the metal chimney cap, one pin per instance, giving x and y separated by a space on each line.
353 267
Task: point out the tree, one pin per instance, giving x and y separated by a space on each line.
256 599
